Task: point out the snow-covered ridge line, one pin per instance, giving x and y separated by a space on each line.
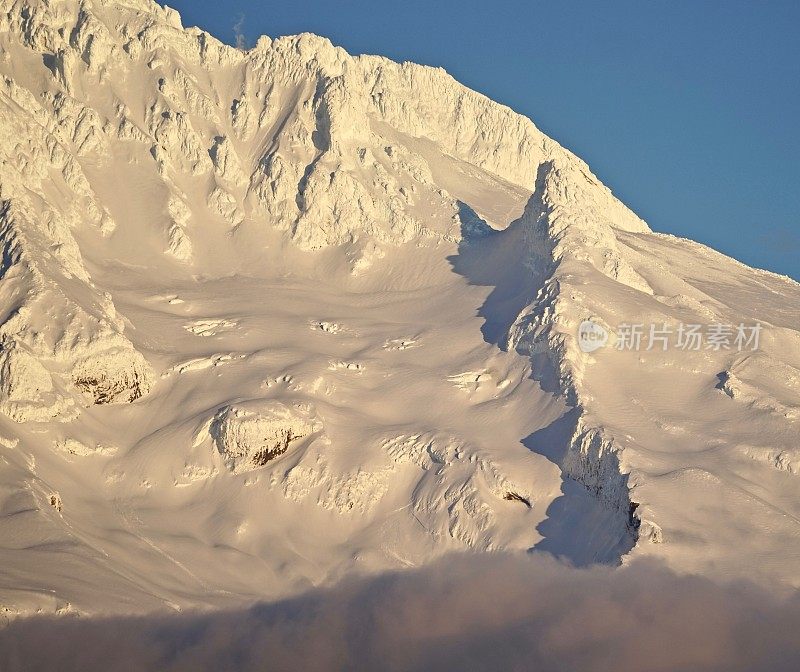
304 119
569 224
61 338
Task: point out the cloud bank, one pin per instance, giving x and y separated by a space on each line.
463 612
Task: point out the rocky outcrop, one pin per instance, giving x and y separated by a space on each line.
248 436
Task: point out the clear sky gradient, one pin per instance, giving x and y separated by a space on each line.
689 110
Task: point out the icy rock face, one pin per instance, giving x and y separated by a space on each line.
570 223
593 460
323 144
113 376
582 247
44 195
27 389
248 436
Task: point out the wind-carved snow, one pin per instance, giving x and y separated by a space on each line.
193 473
200 363
484 383
474 489
327 327
401 343
342 365
741 382
266 312
210 327
74 447
356 492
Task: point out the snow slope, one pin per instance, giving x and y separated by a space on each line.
275 316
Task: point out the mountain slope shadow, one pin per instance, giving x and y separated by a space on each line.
579 527
491 258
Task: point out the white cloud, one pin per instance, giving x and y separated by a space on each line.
463 612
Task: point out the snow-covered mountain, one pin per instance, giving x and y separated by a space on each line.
270 317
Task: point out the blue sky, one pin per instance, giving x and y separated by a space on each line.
689 110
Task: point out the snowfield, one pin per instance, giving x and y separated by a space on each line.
269 318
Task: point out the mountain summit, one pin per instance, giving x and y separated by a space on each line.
272 316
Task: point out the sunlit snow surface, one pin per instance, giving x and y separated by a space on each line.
273 317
